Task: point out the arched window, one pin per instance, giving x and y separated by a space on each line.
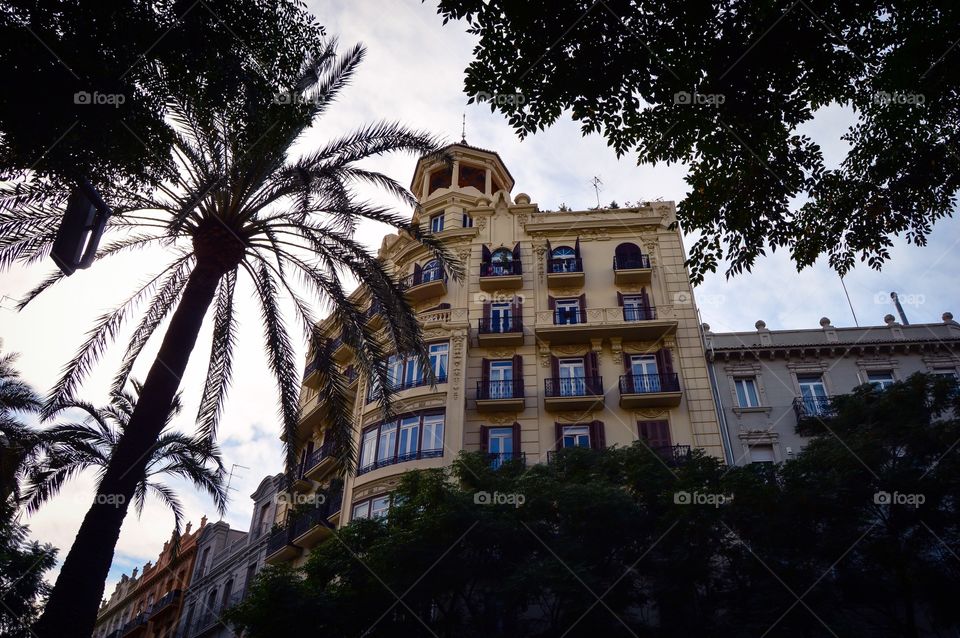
563 259
227 590
431 271
628 255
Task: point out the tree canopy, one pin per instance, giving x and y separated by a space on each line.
726 88
857 536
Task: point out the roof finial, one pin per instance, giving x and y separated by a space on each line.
463 132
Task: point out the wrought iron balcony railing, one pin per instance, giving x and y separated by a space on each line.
500 389
501 268
639 313
400 457
564 265
499 459
573 387
647 383
631 263
500 325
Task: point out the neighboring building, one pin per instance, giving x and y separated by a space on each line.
570 328
149 605
227 562
769 382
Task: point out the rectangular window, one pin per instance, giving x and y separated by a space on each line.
436 223
501 379
368 447
361 510
761 454
433 435
747 396
572 381
395 371
567 311
880 380
635 308
950 373
388 442
467 221
409 438
813 393
501 315
379 506
439 354
575 436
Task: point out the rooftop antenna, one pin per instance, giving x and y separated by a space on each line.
855 322
230 479
896 302
463 131
596 187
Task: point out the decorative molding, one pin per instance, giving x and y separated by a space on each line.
456 348
650 413
501 353
574 349
500 418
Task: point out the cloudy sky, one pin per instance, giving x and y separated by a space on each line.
414 73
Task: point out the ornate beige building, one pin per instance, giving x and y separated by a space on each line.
569 328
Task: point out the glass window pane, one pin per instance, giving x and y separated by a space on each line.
368 449
388 440
379 506
361 510
433 433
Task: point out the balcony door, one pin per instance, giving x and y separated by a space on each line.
813 393
567 311
571 380
500 445
501 317
644 373
636 308
501 380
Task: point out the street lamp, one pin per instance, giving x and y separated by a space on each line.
79 235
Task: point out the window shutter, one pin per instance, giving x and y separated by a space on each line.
619 298
598 439
484 439
591 364
664 361
517 375
486 314
516 252
644 298
549 250
656 434
559 430
576 248
485 255
551 302
583 307
516 440
485 371
417 274
555 369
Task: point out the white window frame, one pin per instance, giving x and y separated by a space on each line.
436 223
434 425
741 387
578 433
881 384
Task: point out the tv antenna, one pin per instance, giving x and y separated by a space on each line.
233 472
463 130
596 188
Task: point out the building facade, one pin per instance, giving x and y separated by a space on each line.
227 562
148 605
770 383
569 328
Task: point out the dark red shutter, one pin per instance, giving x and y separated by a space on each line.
516 440
645 300
485 370
559 428
486 314
516 252
484 439
619 298
549 250
555 371
598 438
576 248
551 302
485 254
583 308
417 274
517 375
656 434
664 361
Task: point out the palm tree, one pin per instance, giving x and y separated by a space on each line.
18 441
236 203
71 448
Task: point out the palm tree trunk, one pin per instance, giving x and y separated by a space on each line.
71 610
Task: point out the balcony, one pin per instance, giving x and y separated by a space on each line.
399 458
298 482
409 384
500 331
501 275
280 547
632 270
210 621
168 602
313 526
577 393
500 396
566 326
813 414
137 626
565 273
650 390
507 459
375 316
320 461
442 316
425 285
